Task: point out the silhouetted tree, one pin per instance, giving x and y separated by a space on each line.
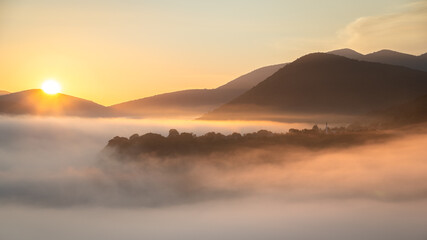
173 133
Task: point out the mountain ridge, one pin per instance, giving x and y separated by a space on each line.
36 102
321 83
193 102
386 56
3 92
203 98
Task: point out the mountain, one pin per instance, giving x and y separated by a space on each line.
184 103
348 53
325 85
387 57
249 80
193 102
3 92
36 102
410 112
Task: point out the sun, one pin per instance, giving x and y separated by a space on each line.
51 87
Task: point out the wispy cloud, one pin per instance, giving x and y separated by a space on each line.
404 30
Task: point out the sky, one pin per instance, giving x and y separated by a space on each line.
114 51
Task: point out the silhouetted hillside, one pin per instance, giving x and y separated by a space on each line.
322 83
348 53
249 80
387 57
193 102
181 103
3 92
36 102
411 112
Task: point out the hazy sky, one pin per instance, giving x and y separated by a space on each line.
112 51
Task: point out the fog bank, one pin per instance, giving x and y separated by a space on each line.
51 174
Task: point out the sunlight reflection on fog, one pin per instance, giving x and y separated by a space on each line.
50 176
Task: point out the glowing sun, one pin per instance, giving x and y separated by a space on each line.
51 87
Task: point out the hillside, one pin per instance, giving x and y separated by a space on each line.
193 102
36 102
3 92
410 112
249 80
325 84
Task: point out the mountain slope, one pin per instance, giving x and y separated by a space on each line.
348 53
36 102
410 112
249 80
387 57
321 83
193 102
3 92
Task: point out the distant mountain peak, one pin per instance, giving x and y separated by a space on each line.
347 52
388 52
387 56
319 57
423 56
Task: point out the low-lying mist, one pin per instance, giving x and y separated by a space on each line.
56 164
55 161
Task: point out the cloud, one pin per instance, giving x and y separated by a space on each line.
404 30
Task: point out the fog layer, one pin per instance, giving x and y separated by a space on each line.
58 162
52 168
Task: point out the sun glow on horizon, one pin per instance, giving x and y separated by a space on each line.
51 87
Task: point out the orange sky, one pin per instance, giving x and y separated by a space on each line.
114 51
